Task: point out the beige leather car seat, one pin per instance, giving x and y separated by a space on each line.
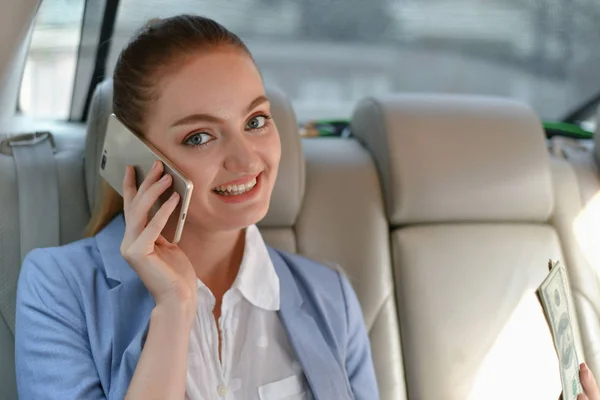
577 187
342 221
469 195
329 208
23 199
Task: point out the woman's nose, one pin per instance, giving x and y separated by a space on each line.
241 156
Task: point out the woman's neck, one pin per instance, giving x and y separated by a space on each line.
215 256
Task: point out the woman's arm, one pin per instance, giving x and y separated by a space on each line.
53 355
52 351
359 364
169 276
161 370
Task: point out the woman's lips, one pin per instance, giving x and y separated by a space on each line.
241 181
241 192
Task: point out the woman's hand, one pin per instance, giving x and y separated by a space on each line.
162 266
589 384
168 274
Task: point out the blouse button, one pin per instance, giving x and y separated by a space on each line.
222 390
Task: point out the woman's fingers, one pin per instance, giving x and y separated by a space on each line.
132 229
589 383
136 212
161 241
131 193
154 228
582 397
153 175
145 200
129 187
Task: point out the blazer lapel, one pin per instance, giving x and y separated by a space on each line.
324 373
131 305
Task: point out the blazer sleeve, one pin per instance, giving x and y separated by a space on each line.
359 363
52 351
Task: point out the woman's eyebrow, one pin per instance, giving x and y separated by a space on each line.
256 102
195 118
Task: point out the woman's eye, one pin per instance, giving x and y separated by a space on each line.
257 122
198 139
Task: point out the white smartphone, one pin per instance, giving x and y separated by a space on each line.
123 147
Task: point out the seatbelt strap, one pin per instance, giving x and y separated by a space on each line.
37 186
37 191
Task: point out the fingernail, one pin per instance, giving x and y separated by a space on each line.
155 165
585 371
174 196
165 178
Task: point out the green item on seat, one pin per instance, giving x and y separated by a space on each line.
335 127
325 127
557 128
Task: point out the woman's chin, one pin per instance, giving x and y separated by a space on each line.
243 219
227 220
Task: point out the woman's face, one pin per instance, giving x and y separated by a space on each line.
213 121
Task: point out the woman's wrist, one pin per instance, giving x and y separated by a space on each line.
175 313
161 369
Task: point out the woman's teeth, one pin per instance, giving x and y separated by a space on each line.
233 190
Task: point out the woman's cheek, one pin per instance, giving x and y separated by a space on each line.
274 147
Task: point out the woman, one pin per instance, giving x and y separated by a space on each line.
126 314
220 315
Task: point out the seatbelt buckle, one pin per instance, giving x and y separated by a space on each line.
26 139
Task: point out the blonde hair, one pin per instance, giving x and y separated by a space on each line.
109 205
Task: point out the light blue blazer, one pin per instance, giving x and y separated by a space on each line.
83 313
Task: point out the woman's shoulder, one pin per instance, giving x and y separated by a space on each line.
309 271
61 270
324 286
60 280
66 258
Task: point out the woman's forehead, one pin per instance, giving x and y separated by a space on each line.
219 81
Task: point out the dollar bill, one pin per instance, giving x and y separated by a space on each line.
554 296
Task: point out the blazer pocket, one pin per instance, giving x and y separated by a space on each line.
291 388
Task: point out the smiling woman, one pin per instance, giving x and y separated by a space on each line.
219 139
181 120
219 311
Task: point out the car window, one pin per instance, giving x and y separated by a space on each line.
47 82
328 54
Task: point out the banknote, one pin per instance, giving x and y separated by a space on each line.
554 294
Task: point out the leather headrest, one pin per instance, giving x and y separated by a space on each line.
289 188
457 158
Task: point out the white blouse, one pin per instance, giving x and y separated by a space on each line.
258 362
